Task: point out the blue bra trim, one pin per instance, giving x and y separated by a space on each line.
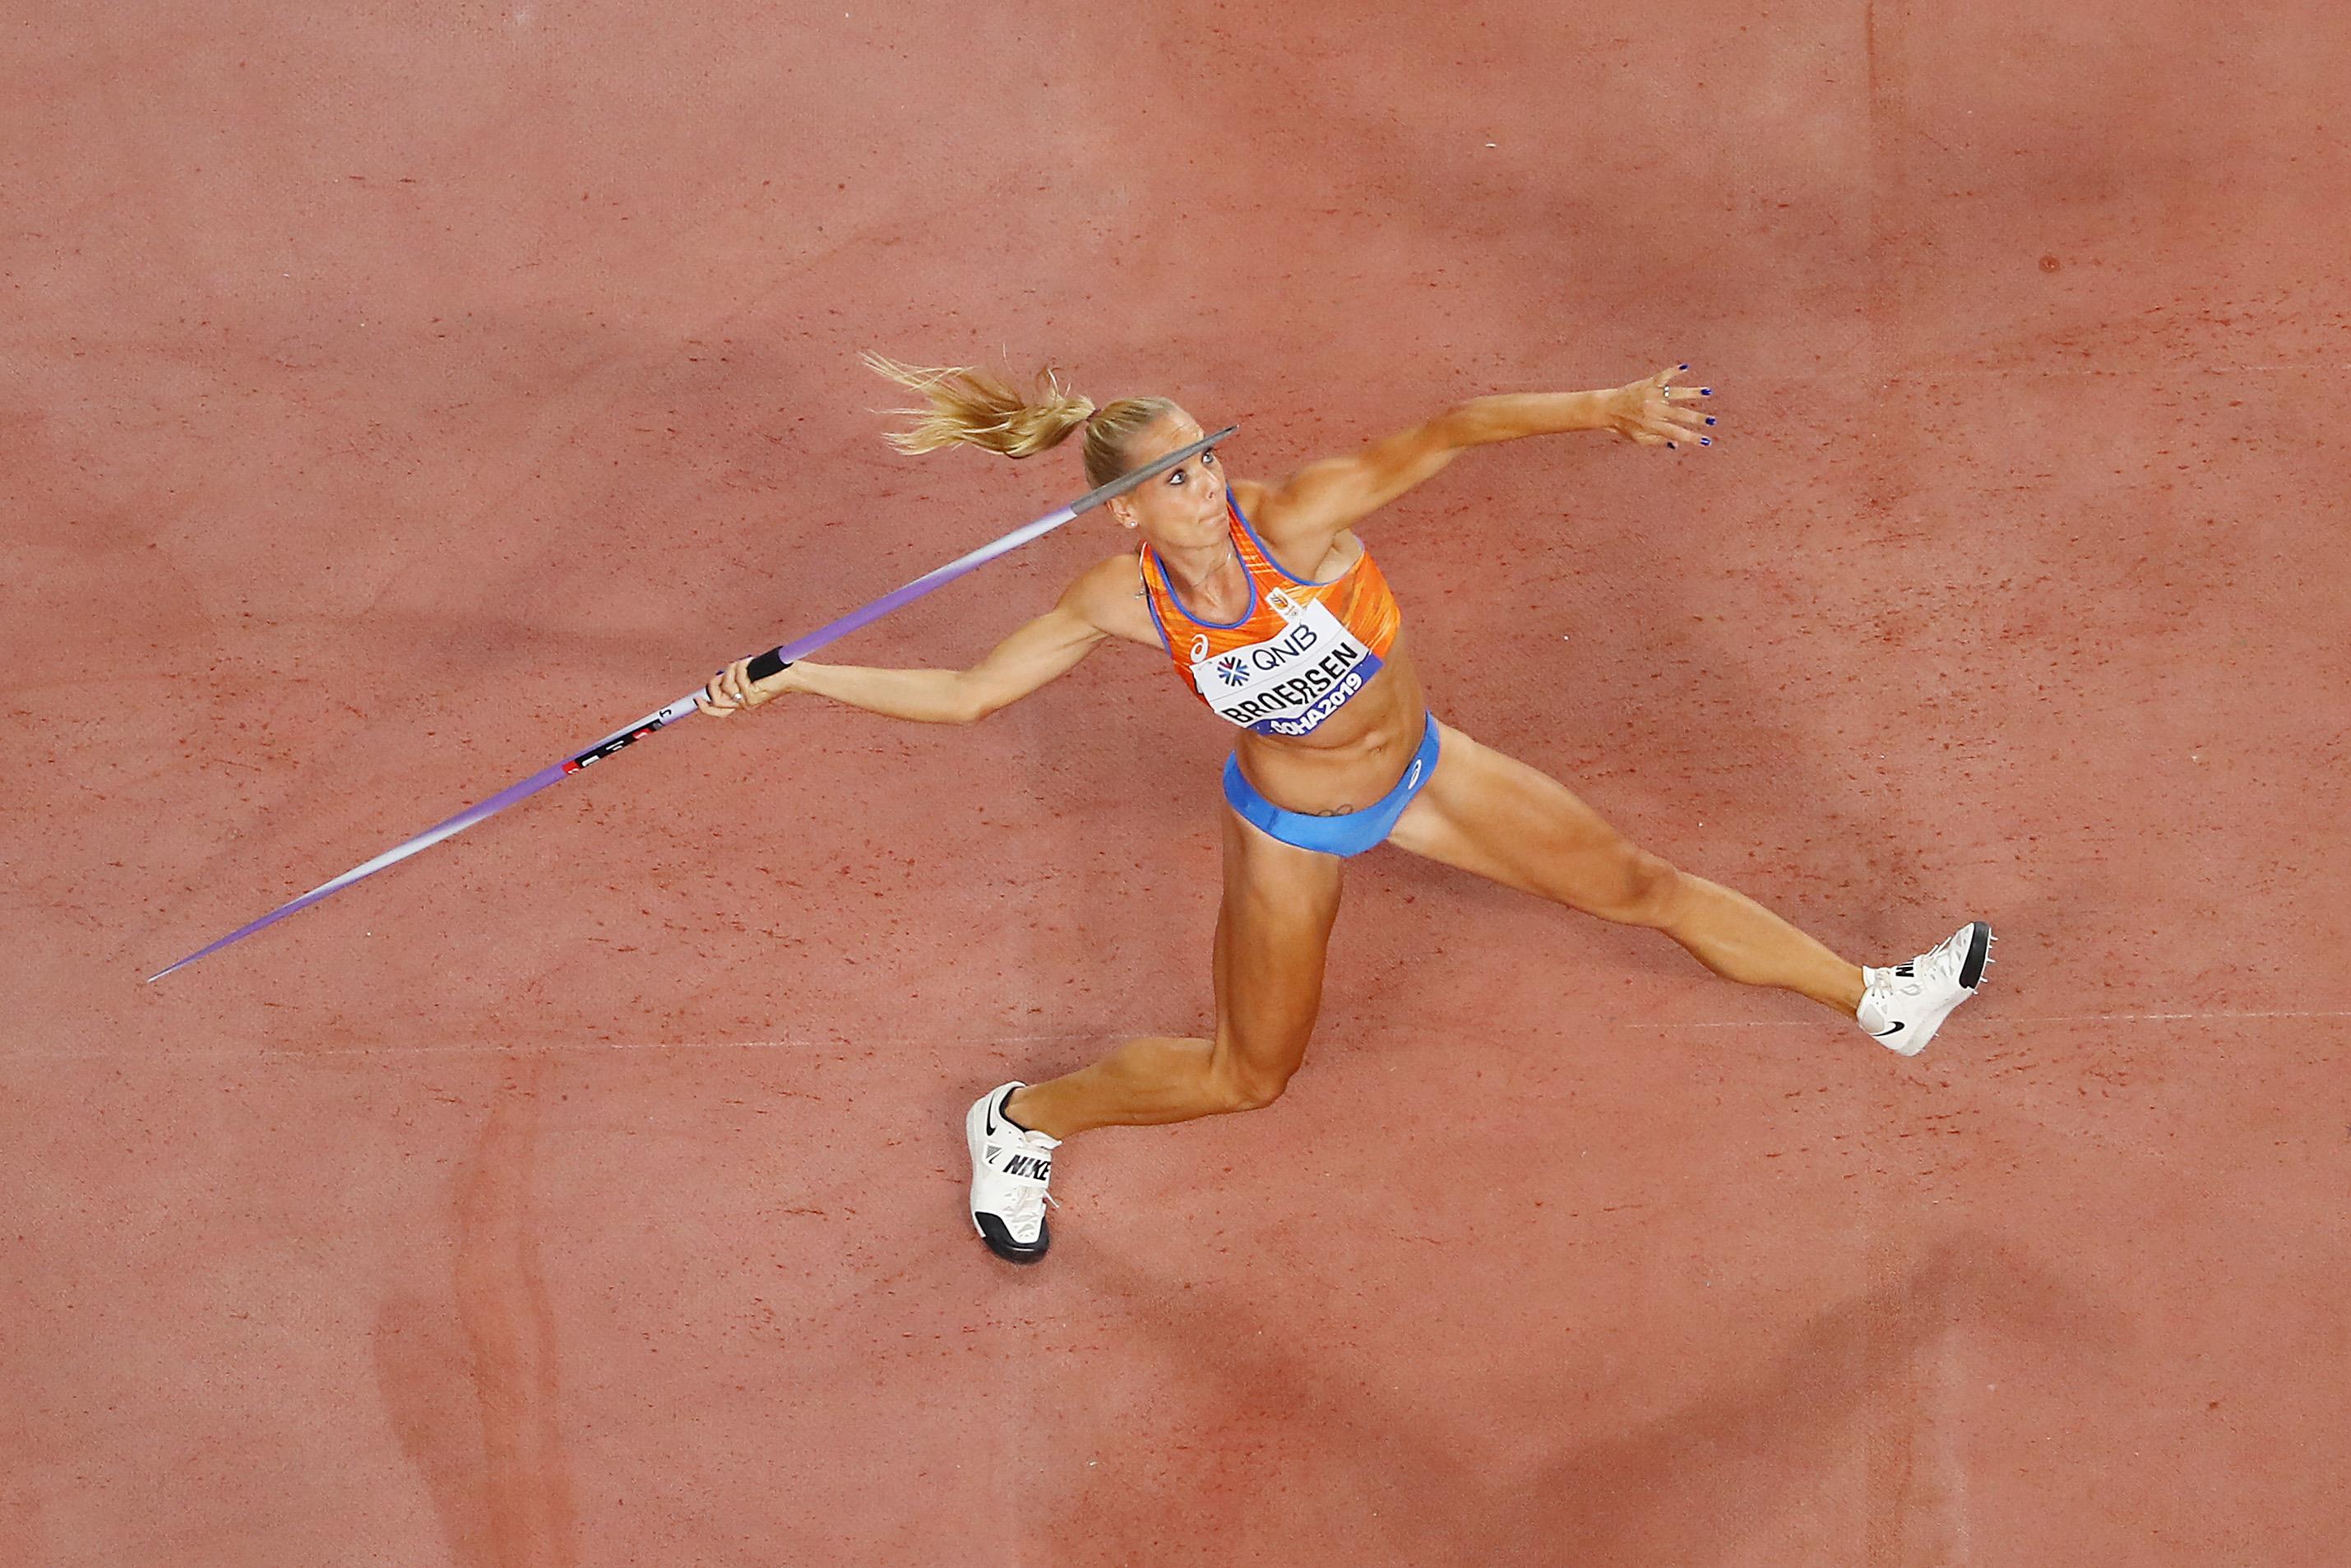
1235 507
1177 600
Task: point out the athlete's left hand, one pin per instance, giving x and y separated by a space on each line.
1655 413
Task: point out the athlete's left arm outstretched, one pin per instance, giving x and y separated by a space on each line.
1305 512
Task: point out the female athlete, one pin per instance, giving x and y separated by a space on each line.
1276 616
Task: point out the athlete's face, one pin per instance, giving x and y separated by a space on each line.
1183 506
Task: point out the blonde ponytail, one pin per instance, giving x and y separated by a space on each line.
970 406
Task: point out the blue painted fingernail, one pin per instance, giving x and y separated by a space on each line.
1710 419
1681 367
1671 447
1705 441
1706 392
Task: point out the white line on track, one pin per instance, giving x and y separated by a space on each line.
327 1052
330 1052
2038 1017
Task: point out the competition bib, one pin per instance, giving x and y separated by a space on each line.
1287 684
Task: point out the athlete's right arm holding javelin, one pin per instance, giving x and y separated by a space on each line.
1050 645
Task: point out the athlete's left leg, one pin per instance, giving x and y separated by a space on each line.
1486 813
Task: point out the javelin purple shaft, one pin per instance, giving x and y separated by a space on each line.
764 664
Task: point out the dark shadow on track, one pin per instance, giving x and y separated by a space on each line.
1692 1487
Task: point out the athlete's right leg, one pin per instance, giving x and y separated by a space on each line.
1273 933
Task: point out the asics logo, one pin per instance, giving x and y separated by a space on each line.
1199 648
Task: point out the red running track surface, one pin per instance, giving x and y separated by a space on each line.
398 396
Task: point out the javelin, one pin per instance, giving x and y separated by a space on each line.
762 666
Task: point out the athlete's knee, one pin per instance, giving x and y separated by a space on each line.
1638 888
1238 1085
1256 1091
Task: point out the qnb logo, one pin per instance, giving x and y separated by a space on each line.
1233 671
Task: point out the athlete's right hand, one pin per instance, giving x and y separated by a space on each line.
733 687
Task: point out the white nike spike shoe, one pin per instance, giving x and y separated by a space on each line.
1009 1168
1903 1005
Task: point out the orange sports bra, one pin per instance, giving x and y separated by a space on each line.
1298 651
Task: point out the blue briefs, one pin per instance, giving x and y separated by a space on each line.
1351 832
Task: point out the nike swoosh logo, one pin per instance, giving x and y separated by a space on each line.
1887 1034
